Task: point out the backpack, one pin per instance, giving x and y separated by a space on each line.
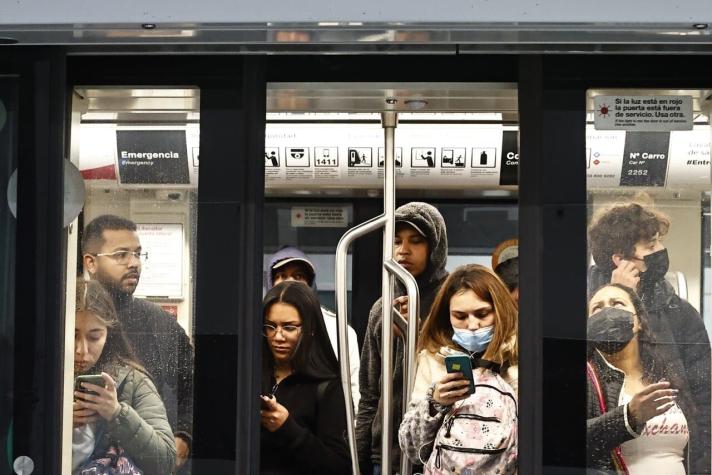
479 434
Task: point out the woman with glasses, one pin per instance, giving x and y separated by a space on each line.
303 411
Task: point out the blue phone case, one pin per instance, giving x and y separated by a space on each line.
461 364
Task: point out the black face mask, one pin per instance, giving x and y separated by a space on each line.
610 330
657 264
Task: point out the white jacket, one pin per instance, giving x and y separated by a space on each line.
354 354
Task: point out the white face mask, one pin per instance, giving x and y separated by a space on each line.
474 341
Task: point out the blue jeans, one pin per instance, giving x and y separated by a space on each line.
376 470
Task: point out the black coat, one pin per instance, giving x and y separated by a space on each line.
680 329
163 348
313 438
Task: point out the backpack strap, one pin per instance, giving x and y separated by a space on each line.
616 453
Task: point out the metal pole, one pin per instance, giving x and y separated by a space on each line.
410 336
342 320
389 121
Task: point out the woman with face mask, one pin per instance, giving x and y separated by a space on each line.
303 411
640 415
122 414
473 315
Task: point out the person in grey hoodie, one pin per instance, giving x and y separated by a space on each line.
421 248
289 263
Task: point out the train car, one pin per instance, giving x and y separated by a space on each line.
520 122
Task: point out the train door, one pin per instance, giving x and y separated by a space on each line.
648 182
455 148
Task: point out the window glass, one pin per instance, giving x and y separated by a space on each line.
131 306
648 370
8 150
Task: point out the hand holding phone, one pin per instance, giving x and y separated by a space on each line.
95 379
461 367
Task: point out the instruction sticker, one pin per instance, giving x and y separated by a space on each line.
320 217
643 113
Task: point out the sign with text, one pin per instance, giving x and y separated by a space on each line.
152 157
643 113
162 272
645 159
320 217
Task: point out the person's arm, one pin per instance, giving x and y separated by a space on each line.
420 423
606 432
369 386
184 381
355 361
142 429
325 450
693 342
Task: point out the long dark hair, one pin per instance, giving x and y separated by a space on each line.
91 297
313 356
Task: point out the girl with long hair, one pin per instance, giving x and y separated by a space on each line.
473 315
303 411
124 414
640 413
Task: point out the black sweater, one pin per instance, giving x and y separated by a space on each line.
313 438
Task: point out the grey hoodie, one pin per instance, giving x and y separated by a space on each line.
368 422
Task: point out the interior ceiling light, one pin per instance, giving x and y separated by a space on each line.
416 104
391 100
700 26
148 26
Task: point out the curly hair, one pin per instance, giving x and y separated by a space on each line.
617 229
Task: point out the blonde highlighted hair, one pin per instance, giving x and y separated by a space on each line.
437 330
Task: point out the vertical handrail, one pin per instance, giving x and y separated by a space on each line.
388 121
410 337
342 320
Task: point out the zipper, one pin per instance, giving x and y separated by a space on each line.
439 449
476 417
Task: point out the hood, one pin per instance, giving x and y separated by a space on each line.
292 253
428 220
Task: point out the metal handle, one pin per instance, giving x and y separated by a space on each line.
411 336
342 323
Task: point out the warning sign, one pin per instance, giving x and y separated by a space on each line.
643 113
320 217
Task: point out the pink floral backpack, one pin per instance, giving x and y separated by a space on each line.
479 435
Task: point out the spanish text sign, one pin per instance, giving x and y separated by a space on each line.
643 113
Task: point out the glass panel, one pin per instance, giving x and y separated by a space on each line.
324 166
648 179
8 163
137 150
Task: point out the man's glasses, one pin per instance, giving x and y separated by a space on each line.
287 330
123 257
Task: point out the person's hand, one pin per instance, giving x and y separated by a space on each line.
626 274
182 452
401 303
273 413
105 402
81 415
651 401
452 388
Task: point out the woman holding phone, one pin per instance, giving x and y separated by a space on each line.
641 418
473 316
303 410
123 412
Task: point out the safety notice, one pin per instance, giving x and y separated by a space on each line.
643 113
320 217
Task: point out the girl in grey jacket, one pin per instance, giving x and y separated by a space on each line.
126 410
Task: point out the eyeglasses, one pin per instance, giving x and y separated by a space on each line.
123 257
287 330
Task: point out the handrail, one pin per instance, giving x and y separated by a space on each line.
388 121
342 320
410 337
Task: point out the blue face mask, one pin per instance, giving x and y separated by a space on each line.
474 341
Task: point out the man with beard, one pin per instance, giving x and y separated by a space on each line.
112 255
625 241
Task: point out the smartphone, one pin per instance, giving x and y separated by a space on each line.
461 364
95 379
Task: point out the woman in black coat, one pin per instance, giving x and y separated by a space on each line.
303 411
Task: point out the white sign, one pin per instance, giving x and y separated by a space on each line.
643 113
320 217
162 272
